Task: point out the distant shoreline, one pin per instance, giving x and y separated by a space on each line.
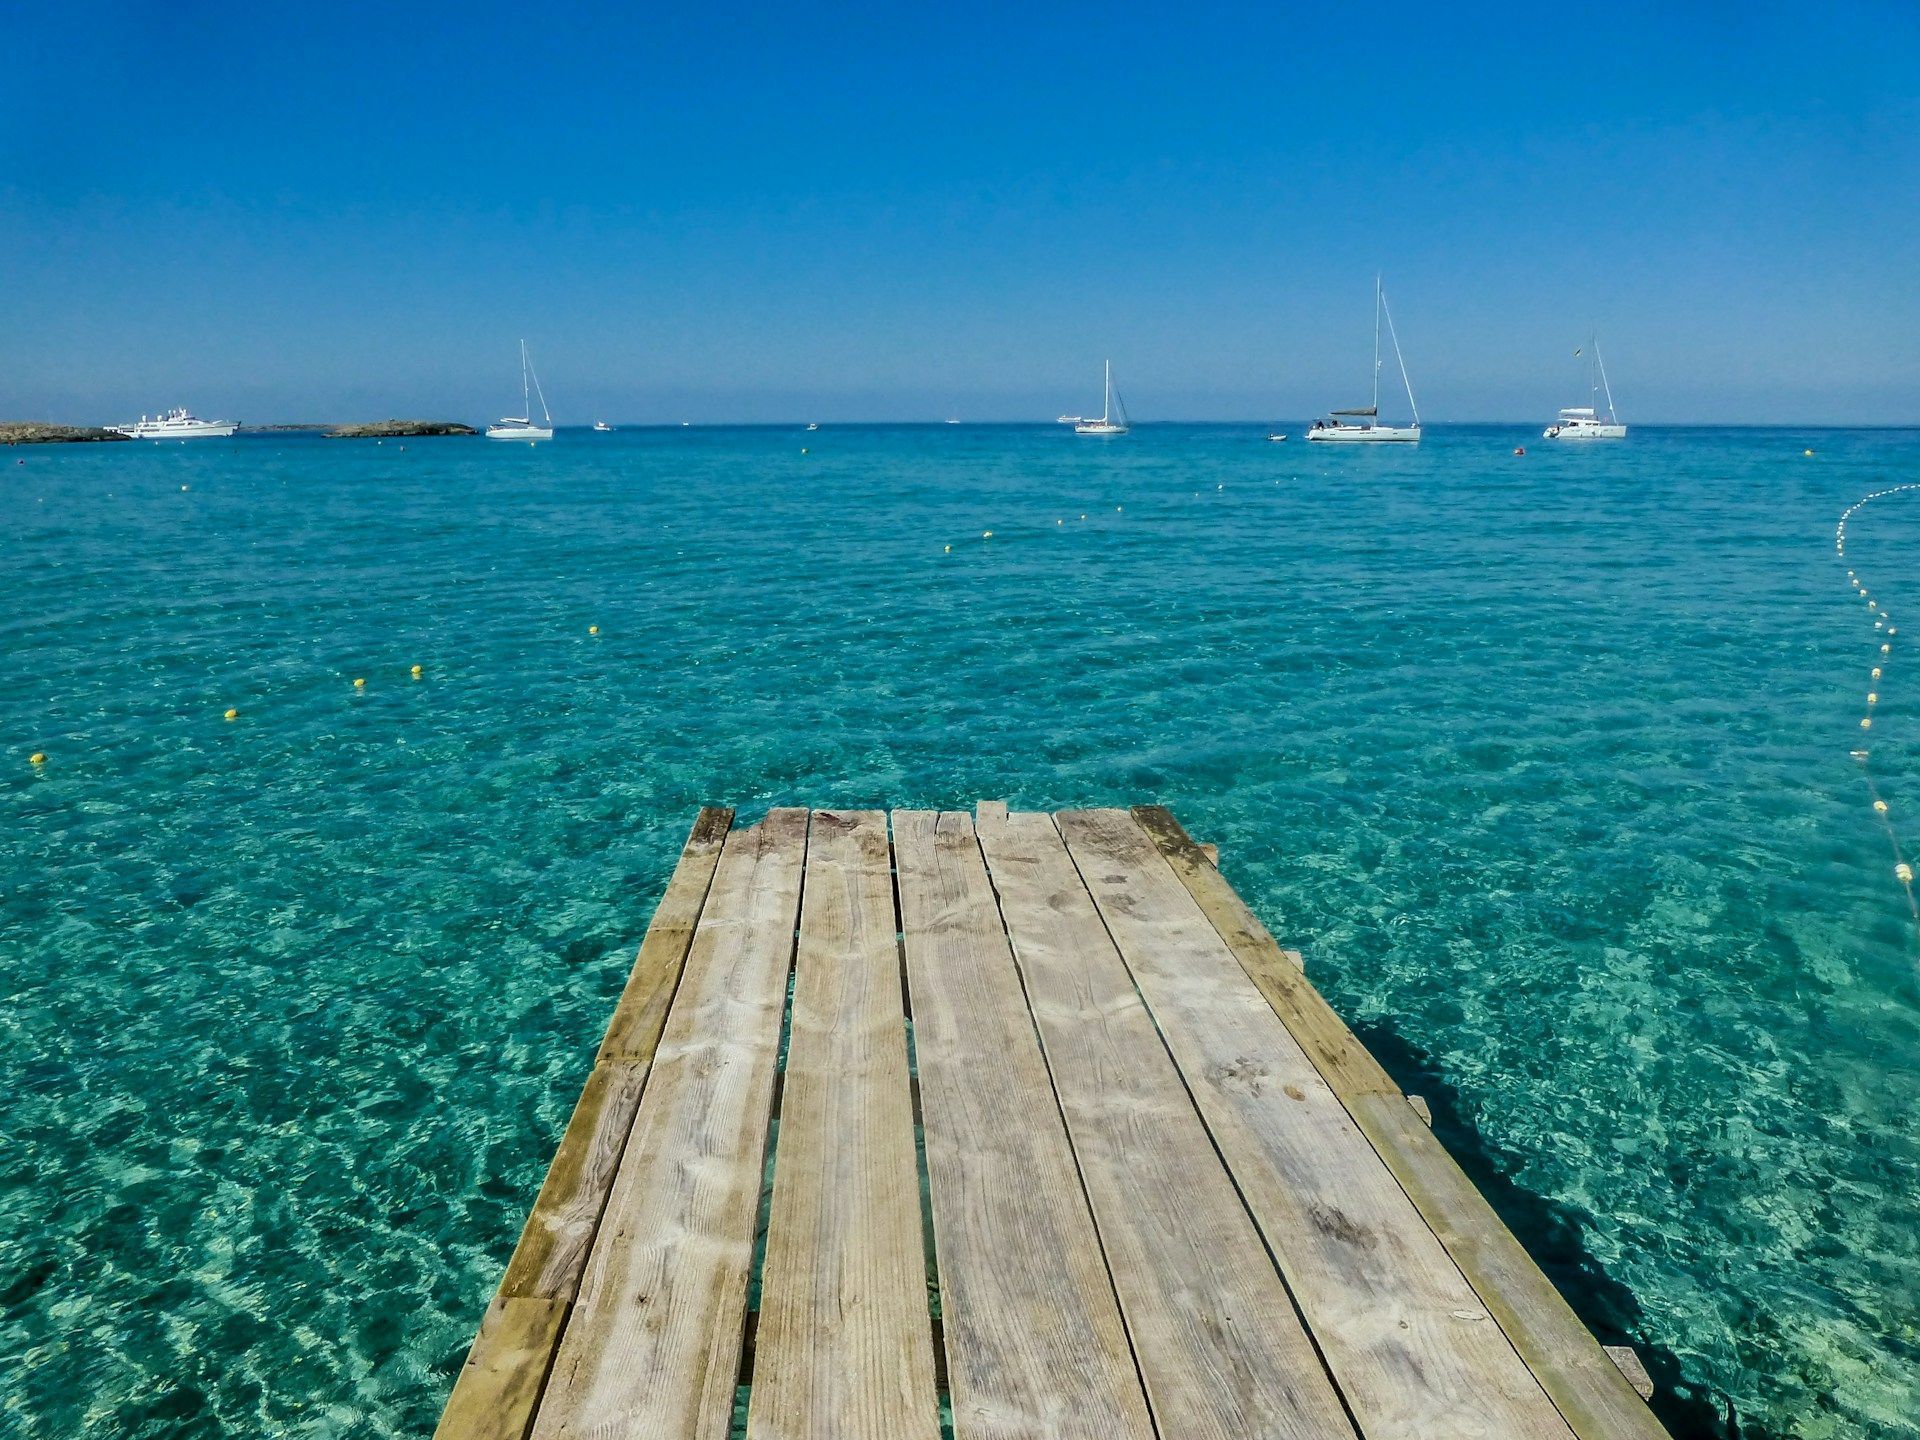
32 432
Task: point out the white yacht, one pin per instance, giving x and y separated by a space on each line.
1113 414
178 425
603 427
1363 425
1583 422
521 427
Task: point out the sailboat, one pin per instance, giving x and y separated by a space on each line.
521 427
1113 414
1364 424
1583 422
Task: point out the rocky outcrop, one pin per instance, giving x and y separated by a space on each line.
389 429
28 432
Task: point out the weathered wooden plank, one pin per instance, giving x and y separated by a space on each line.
844 1348
1320 1032
1035 1344
634 1029
1223 1354
1597 1399
653 1345
493 1398
1405 1335
552 1252
1560 1351
495 1393
1633 1367
553 1247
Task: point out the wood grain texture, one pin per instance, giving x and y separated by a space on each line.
634 1029
1223 1354
1035 1344
653 1344
1340 1057
1406 1337
1597 1399
844 1348
552 1253
496 1391
1560 1351
498 1387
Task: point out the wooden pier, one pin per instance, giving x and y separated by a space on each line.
1060 1143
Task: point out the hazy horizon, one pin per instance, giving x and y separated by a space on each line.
798 214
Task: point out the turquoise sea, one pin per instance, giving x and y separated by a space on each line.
1543 761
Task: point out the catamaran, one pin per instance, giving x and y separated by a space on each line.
1359 425
521 427
1113 414
1583 422
178 425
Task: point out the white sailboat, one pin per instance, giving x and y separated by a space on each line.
521 427
1583 422
1363 425
1113 414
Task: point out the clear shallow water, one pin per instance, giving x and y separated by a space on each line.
1542 761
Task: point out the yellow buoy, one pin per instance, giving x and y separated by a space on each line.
1886 649
803 449
1807 452
1872 699
233 714
37 758
1904 873
359 684
1881 806
1866 723
1876 672
415 672
946 549
593 629
986 534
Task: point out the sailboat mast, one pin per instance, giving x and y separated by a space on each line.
1376 347
1400 360
526 400
1106 403
1600 361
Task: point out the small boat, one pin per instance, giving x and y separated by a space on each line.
603 427
521 427
953 419
177 425
1362 425
1583 422
1277 436
815 425
1113 414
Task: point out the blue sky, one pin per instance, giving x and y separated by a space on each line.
789 211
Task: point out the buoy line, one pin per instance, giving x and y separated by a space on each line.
1883 623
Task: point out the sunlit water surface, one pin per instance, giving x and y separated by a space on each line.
1542 761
